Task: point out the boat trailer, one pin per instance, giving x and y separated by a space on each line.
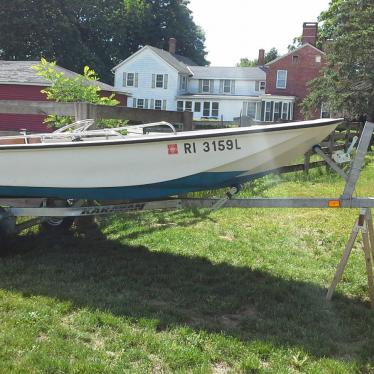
55 215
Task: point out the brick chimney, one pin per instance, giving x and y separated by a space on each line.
261 57
310 30
172 45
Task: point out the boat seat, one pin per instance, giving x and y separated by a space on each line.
32 140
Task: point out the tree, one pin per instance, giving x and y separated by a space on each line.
245 62
347 83
79 89
97 32
269 56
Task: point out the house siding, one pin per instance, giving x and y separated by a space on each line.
298 75
242 87
146 64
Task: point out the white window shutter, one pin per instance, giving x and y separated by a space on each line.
134 102
124 79
152 103
146 103
166 76
153 80
232 87
136 79
257 86
163 104
211 85
200 85
221 86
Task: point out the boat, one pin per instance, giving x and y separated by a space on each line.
139 163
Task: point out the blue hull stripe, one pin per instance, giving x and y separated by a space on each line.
197 182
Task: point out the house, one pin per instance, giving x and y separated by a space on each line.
164 80
288 75
18 81
271 92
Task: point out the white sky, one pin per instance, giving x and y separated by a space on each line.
239 28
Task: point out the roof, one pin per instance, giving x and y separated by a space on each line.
21 72
222 72
178 62
295 50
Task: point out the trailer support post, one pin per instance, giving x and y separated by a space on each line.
364 223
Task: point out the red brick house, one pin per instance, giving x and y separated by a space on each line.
18 81
288 75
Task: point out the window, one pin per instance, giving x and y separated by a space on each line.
159 80
281 79
318 58
130 79
206 85
206 109
179 106
285 111
188 106
226 86
260 85
268 111
251 110
158 104
295 59
197 107
277 111
140 104
215 109
183 82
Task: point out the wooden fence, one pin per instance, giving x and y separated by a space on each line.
91 111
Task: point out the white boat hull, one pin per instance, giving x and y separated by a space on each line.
153 166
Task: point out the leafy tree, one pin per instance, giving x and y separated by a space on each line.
347 83
269 56
245 62
99 32
82 88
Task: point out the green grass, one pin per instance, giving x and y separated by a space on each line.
237 290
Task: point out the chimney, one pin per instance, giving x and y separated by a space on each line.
310 33
172 45
261 57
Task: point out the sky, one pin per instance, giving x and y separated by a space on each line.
239 28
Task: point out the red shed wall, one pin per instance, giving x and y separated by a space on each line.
15 122
32 123
298 74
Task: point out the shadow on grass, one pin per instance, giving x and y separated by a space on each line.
132 282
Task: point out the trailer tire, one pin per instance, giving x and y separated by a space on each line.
57 223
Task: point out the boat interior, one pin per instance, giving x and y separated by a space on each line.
85 130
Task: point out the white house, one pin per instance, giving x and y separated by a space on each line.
163 80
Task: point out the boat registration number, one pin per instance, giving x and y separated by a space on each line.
212 146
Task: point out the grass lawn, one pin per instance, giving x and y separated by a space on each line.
237 290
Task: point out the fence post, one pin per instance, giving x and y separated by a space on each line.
81 111
187 121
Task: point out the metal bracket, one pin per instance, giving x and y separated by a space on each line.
330 162
229 194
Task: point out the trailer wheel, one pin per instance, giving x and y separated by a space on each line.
57 223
